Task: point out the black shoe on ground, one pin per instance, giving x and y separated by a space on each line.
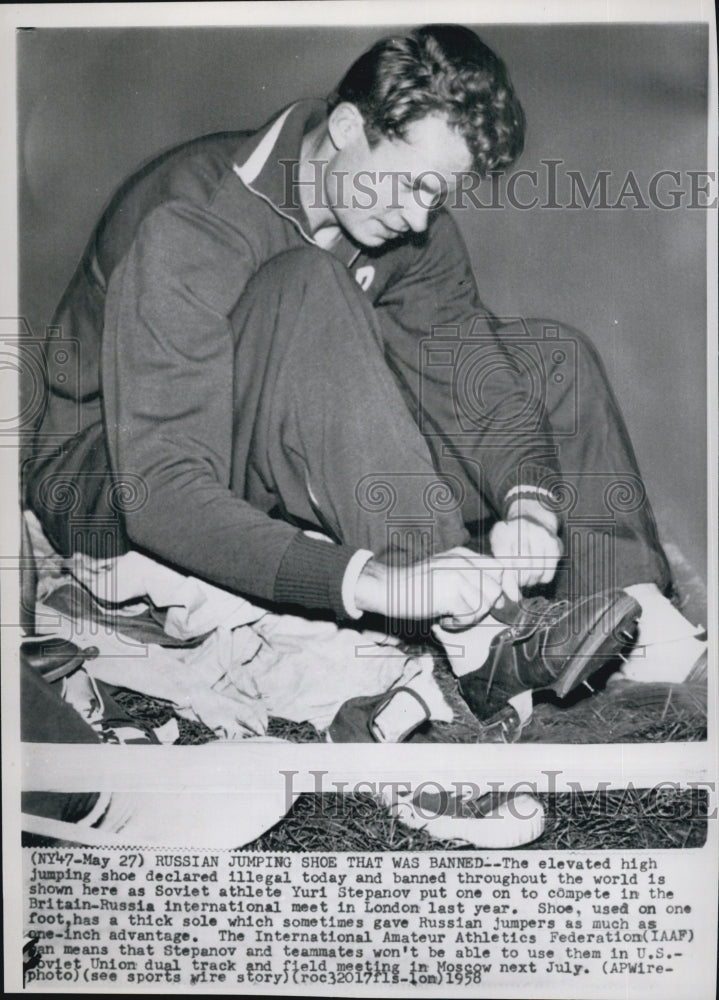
551 645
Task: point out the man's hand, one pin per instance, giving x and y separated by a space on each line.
528 537
457 587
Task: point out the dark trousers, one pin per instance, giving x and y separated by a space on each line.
324 429
325 436
328 434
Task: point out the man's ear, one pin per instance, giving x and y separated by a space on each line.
345 124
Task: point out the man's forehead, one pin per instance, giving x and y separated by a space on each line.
433 145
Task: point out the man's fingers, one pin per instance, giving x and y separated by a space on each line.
550 569
471 597
458 622
511 585
503 540
526 541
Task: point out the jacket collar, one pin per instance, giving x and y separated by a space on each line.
267 165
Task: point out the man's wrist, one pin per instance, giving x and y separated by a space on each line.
352 573
371 588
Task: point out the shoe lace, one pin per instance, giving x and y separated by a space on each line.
503 639
534 614
538 612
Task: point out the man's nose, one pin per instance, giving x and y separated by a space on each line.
415 215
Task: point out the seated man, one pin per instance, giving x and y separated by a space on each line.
280 336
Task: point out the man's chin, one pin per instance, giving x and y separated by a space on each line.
372 234
375 239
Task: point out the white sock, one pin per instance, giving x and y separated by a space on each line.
400 716
667 648
404 712
660 621
523 705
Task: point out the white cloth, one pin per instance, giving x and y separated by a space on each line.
252 663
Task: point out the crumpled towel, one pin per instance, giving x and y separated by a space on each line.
252 662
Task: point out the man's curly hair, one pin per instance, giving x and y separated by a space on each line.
440 69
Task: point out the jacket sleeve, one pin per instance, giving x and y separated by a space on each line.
468 395
167 378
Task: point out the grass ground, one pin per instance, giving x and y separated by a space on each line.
629 819
613 712
621 712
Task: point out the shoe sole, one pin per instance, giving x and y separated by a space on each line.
600 644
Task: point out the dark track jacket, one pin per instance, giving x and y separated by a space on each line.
138 427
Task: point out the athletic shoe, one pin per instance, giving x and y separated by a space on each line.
53 656
360 720
551 645
495 820
185 819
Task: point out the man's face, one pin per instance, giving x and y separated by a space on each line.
377 194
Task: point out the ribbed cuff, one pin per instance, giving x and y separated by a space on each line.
529 488
311 574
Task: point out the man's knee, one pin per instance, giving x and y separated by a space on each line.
306 288
566 352
304 308
300 265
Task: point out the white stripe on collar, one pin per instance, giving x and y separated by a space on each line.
253 165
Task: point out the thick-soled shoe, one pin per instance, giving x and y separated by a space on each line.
494 820
182 819
551 645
